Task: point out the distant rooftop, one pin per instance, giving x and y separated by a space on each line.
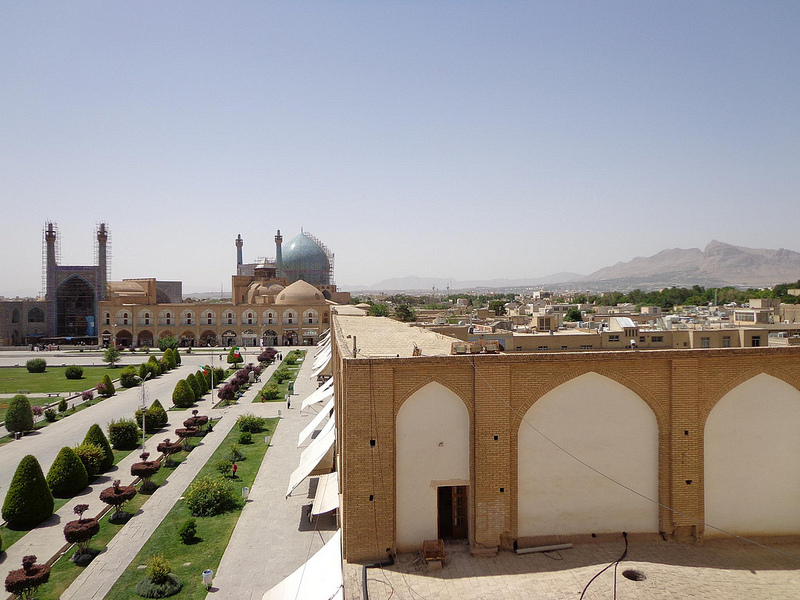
384 337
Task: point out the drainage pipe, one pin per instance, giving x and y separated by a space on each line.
375 565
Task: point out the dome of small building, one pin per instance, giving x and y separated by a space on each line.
304 258
300 293
363 306
276 288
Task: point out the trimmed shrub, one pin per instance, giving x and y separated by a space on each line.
128 377
160 582
25 581
87 395
235 356
73 372
36 365
92 457
188 531
156 366
19 415
201 380
209 496
158 568
168 448
207 373
155 419
28 501
96 436
67 476
38 411
245 438
250 423
182 395
219 375
62 405
193 383
123 434
177 356
146 469
82 531
147 368
271 392
50 414
169 356
117 495
106 388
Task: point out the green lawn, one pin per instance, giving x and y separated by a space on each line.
284 386
52 380
214 532
64 571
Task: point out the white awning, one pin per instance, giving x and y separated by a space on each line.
320 578
324 356
324 334
321 367
323 346
314 423
322 393
312 456
327 498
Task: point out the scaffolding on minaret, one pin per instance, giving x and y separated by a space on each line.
98 227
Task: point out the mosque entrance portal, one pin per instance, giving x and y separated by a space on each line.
75 308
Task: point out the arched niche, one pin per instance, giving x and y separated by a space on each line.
432 451
609 427
751 447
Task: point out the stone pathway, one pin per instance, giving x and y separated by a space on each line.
273 537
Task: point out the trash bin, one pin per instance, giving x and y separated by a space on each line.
245 492
208 576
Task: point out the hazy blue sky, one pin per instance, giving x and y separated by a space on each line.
452 139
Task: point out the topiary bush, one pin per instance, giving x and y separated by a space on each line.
128 377
169 357
182 395
96 436
25 581
168 448
28 501
155 419
117 495
147 368
36 365
251 423
62 405
67 476
123 434
106 388
146 469
193 383
92 457
73 372
81 532
19 415
156 366
209 496
201 381
177 356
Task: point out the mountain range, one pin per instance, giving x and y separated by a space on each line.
717 265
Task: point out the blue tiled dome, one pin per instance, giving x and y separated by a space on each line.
304 259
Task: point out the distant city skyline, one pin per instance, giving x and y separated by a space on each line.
466 141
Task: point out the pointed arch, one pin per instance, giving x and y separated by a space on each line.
783 374
433 379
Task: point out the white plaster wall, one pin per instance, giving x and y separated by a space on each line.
609 427
752 460
432 446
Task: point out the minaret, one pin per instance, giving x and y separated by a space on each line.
239 244
50 267
102 261
278 255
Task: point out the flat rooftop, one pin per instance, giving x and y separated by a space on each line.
383 337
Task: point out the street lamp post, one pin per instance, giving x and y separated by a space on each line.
144 408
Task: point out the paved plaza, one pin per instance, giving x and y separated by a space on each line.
717 570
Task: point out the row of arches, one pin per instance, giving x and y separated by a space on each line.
188 338
146 317
587 461
35 315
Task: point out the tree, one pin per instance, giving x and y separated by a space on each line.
25 581
82 531
379 310
573 315
234 356
182 395
167 342
96 436
112 356
28 501
106 388
117 495
145 470
155 419
405 313
67 476
498 306
19 415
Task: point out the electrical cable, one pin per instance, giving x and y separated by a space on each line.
619 483
604 569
